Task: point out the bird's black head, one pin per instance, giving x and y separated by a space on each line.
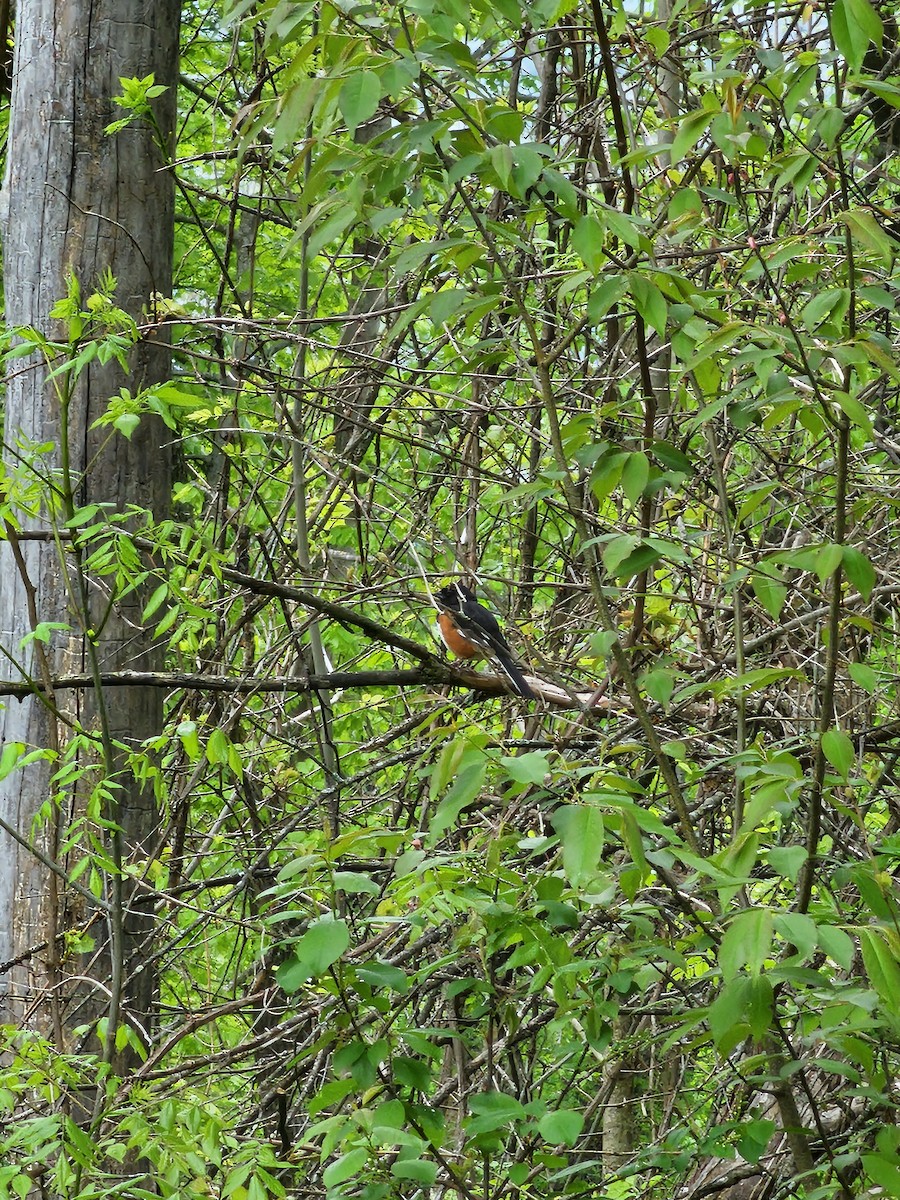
455 595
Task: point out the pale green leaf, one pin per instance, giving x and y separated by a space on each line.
747 942
838 945
580 828
863 676
588 237
659 685
420 1170
839 751
867 231
530 767
359 97
561 1128
799 930
881 966
859 570
318 949
769 591
690 130
345 1167
828 559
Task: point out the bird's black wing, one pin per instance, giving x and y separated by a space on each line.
482 627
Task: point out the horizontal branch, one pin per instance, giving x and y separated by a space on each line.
440 674
185 680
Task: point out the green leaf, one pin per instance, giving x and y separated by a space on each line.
672 458
190 740
588 237
625 227
659 685
346 1167
388 1120
798 929
855 411
355 883
755 496
769 591
604 296
883 1172
419 1170
445 304
529 163
728 1014
318 948
331 1093
876 889
754 1137
155 601
580 827
863 676
659 39
625 557
561 1128
747 942
412 1072
531 767
493 1110
359 97
828 559
866 230
607 474
635 475
502 161
714 343
617 550
81 516
127 423
689 132
12 752
823 306
602 642
887 91
506 124
839 751
838 945
730 868
854 24
881 967
787 860
859 570
217 747
760 999
384 977
649 301
567 197
464 789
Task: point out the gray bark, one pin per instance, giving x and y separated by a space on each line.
77 200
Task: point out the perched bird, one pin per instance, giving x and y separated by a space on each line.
470 631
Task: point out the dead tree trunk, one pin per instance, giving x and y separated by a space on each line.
79 202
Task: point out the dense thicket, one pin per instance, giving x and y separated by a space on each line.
594 305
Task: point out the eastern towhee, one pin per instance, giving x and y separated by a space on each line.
470 631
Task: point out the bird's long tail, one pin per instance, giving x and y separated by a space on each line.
513 673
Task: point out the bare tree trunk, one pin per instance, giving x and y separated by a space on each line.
79 202
619 1111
